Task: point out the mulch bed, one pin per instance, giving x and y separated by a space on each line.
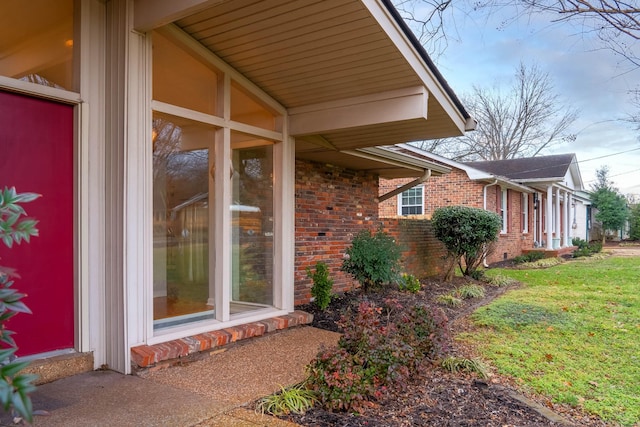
436 397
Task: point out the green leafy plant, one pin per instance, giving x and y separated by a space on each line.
379 349
461 364
14 228
296 399
469 291
372 259
409 283
322 285
467 233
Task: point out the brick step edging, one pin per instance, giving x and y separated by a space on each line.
145 356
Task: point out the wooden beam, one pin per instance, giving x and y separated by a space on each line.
150 14
386 107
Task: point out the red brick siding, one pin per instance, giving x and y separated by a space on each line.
332 205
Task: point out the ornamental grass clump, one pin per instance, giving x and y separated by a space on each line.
469 291
296 399
462 364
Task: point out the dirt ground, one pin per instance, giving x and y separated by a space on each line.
439 398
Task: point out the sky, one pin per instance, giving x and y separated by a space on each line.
483 51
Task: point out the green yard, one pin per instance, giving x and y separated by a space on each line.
572 333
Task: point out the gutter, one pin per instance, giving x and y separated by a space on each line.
406 187
484 194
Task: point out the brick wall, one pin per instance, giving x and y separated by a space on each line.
332 205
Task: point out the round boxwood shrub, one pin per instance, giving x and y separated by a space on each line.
467 233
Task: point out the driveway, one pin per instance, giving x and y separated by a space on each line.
627 251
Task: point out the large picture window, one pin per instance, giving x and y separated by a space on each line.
214 198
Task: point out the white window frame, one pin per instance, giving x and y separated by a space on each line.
284 201
400 198
525 213
504 209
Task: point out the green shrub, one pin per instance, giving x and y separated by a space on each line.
372 259
634 223
467 233
585 248
296 399
409 283
532 256
469 291
376 352
14 387
477 274
322 285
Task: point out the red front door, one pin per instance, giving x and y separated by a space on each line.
36 155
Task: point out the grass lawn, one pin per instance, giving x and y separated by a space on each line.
572 333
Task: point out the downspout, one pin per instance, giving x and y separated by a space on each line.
405 187
484 203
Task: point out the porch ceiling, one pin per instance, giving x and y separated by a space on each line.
349 57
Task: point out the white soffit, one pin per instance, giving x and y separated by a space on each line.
310 53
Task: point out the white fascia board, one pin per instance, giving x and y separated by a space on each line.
392 157
380 12
472 173
150 14
507 183
386 107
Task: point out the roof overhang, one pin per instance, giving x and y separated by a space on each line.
379 161
349 72
542 184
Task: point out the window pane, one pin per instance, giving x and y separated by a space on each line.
247 109
412 201
181 79
181 221
36 42
252 225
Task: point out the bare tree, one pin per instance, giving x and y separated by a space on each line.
427 19
615 22
521 123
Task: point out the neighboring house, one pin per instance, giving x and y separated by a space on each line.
195 156
517 189
559 199
464 186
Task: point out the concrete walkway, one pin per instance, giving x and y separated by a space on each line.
207 392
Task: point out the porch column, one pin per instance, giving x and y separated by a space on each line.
558 223
541 206
549 217
567 219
